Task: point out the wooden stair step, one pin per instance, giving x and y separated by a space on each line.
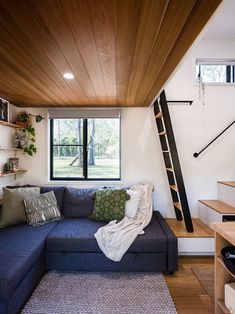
219 206
170 169
159 115
228 183
162 133
174 187
201 230
178 206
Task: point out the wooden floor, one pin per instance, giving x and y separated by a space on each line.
201 230
188 294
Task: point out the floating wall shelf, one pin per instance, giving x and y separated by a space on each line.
13 173
10 125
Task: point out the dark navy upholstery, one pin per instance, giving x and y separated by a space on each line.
59 193
77 235
26 251
21 246
78 202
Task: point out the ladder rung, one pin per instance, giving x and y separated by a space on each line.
170 169
162 133
178 205
174 187
159 115
165 151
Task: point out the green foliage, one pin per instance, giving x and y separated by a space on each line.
29 131
30 149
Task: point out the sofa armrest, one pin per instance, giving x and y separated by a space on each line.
172 243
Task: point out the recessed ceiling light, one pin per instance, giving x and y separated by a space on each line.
68 76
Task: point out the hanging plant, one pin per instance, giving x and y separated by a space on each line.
24 119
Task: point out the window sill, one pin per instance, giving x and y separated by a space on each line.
84 182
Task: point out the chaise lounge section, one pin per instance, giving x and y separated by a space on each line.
69 245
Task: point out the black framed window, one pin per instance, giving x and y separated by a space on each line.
85 149
215 70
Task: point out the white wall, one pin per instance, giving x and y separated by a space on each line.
194 126
141 159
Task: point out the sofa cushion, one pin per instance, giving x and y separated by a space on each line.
59 193
78 202
20 248
77 235
42 209
13 210
110 204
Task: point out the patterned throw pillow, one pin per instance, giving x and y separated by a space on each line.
42 209
109 205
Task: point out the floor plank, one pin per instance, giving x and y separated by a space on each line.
188 294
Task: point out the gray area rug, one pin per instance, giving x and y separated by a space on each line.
206 276
101 292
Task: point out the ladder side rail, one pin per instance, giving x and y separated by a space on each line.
176 163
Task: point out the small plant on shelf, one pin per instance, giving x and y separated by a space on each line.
26 137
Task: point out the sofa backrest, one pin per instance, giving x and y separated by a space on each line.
59 193
78 202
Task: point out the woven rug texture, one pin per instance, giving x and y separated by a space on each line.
101 292
206 276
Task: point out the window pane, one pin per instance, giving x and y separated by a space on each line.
103 148
67 162
68 131
212 73
67 148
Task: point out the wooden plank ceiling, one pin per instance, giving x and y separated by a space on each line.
121 51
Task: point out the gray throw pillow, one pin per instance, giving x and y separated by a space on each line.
13 210
42 209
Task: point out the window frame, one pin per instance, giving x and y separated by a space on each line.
85 154
230 70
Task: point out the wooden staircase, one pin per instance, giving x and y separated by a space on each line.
220 209
172 163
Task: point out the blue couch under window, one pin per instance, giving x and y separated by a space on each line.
69 245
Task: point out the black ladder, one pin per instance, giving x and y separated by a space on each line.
172 163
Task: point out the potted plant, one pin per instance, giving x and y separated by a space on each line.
24 119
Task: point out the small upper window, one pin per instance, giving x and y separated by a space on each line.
215 70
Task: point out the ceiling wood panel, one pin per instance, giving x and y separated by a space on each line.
127 19
121 51
175 16
193 26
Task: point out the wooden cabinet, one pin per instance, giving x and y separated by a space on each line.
224 236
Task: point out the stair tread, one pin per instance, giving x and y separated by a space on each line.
159 115
162 133
178 205
201 230
229 183
174 187
219 206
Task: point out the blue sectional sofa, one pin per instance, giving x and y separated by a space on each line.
26 252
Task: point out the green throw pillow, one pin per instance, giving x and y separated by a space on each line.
109 205
13 210
42 209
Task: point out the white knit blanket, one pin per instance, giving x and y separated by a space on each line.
114 239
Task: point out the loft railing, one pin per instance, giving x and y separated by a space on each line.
202 150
